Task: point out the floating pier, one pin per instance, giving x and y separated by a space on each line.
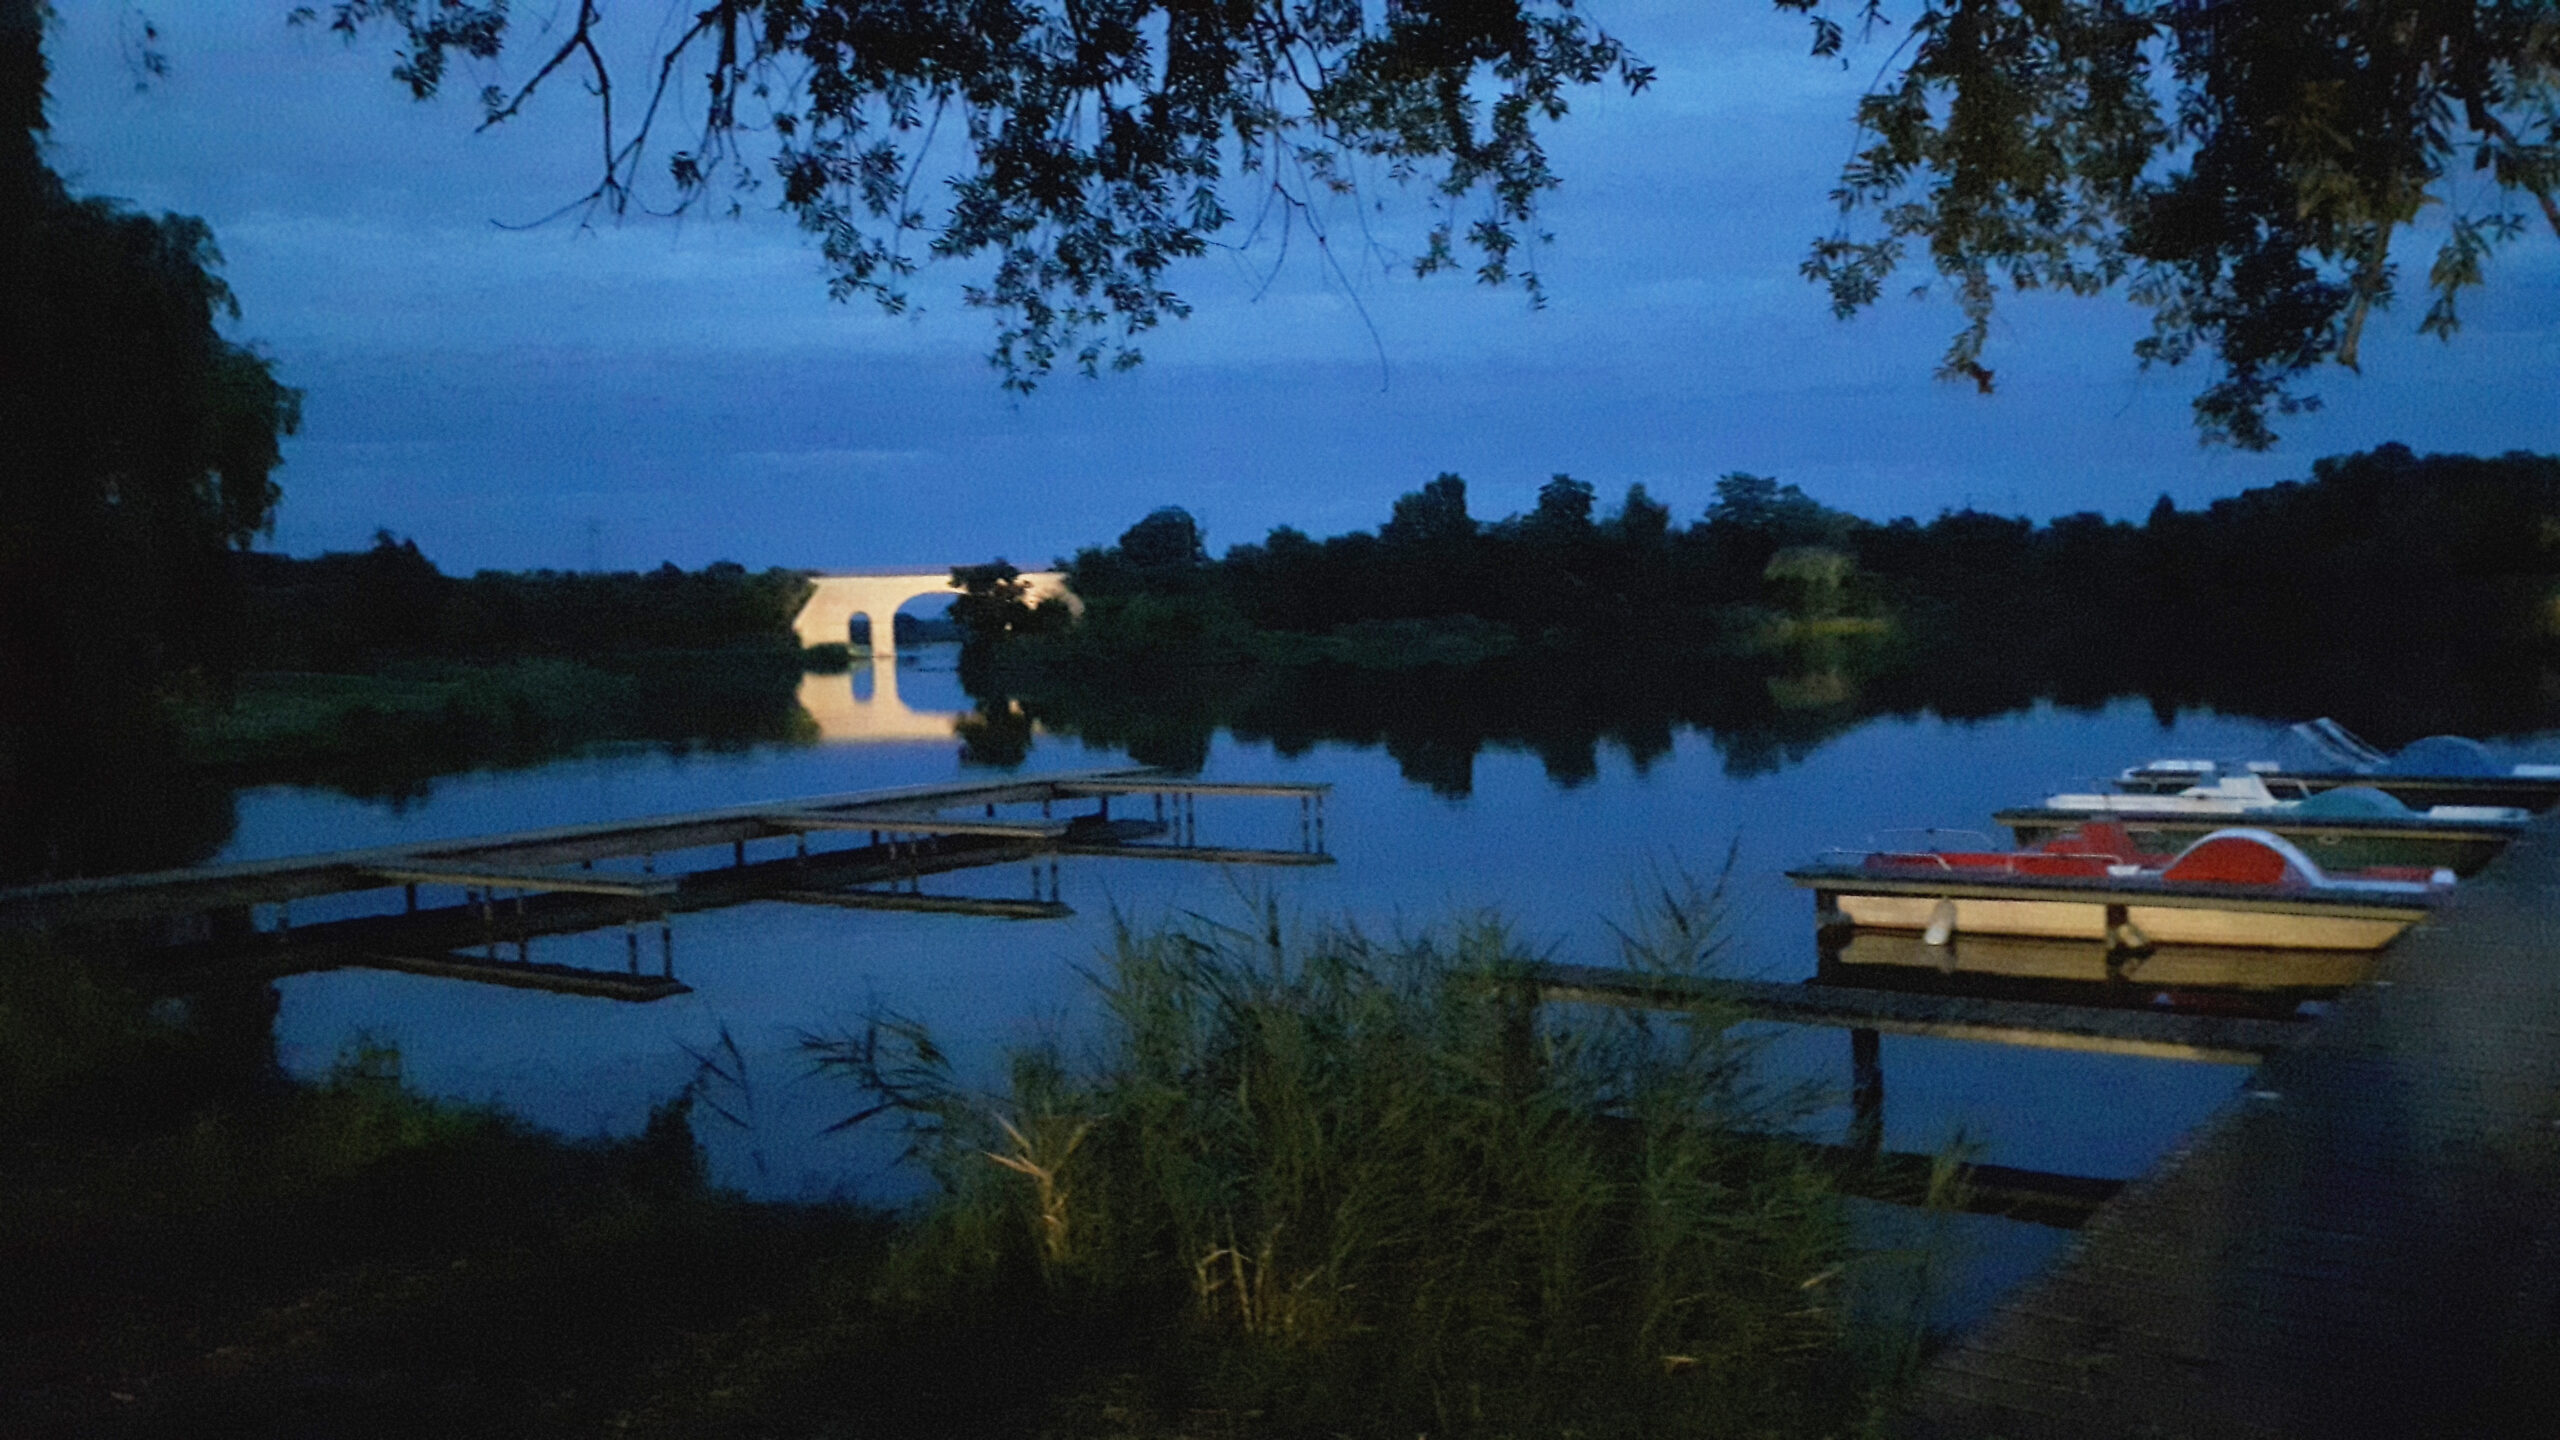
472 908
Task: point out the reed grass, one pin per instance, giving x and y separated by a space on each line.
1331 1185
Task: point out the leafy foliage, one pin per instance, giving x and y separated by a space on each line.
1105 139
2243 169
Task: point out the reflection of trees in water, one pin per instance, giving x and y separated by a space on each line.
1434 722
1766 712
996 735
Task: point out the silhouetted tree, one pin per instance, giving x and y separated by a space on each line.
137 447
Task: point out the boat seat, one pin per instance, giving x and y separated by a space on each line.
2228 858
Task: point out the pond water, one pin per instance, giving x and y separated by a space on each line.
1558 862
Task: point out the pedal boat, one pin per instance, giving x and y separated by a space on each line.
2439 770
2346 827
2242 886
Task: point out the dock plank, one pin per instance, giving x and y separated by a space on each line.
1199 854
910 822
2218 1039
995 909
546 881
1271 789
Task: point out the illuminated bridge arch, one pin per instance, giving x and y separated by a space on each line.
827 618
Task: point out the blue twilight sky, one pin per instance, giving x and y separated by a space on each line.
683 390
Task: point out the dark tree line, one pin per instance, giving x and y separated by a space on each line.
2375 551
2404 594
1561 572
354 610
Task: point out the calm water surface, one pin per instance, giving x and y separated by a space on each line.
1559 864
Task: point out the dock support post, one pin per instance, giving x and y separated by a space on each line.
1866 1090
524 934
631 943
410 893
738 854
1319 822
666 947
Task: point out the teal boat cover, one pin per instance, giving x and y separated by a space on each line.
2444 755
2350 802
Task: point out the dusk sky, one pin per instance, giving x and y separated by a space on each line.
658 389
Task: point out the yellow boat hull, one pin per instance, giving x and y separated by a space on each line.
2156 924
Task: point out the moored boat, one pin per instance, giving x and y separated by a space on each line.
2242 886
2073 972
2321 755
2346 827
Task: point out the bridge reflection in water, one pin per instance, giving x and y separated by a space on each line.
844 712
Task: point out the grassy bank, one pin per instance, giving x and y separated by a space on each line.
379 728
1302 1186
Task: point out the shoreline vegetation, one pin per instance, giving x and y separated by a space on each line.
2411 595
1306 1184
2408 595
372 669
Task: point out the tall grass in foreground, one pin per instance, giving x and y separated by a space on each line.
1327 1185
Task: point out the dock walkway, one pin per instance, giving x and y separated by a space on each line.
488 898
2366 1243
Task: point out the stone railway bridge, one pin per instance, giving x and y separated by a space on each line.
827 618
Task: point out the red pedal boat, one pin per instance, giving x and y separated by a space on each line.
2233 887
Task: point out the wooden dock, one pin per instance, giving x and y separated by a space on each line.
472 908
2367 1242
2098 1029
538 859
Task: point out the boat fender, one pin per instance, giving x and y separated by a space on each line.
1942 924
2128 936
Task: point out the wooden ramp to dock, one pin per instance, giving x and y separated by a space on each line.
2366 1243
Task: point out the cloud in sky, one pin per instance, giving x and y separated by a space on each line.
683 390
